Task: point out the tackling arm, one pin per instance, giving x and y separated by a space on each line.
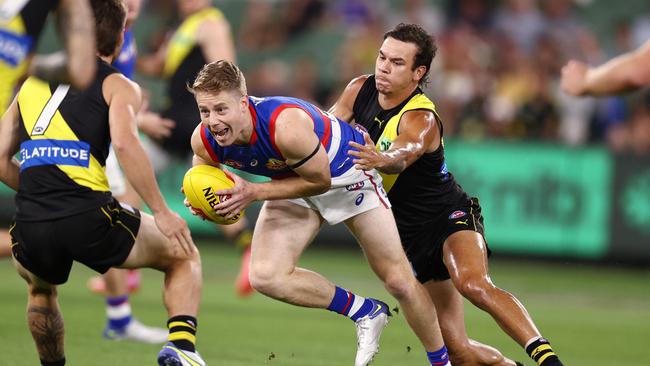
418 134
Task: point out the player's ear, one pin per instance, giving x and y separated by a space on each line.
419 72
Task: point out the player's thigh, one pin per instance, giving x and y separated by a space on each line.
377 235
282 232
151 247
465 256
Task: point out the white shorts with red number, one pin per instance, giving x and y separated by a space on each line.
353 193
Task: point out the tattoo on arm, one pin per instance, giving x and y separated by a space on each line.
46 325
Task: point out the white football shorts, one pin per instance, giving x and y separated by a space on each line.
353 193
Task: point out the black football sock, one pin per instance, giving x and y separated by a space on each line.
542 353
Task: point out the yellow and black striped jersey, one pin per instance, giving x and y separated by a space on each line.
64 142
21 24
424 188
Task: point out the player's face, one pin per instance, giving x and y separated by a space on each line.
394 66
225 116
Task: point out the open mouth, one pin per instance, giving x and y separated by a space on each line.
221 133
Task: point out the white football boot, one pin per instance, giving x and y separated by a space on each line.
369 330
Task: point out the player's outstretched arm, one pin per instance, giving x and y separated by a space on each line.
77 64
9 146
123 98
626 72
418 134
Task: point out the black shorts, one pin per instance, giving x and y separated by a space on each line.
101 238
424 245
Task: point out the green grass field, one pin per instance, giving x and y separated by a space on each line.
593 316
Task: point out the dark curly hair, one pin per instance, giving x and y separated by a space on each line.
426 44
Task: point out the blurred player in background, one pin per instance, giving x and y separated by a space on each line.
65 211
21 24
304 151
626 72
203 36
441 227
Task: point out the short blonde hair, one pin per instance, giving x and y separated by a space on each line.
219 76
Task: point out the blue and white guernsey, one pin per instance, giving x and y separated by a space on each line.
262 157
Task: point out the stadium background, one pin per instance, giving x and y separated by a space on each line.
563 180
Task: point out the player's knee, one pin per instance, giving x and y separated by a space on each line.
476 290
400 285
265 279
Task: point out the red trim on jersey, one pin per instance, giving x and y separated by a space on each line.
254 117
381 197
275 114
327 131
207 145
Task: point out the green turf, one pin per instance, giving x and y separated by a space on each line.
593 316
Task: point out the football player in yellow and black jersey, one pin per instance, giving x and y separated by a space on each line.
441 227
65 211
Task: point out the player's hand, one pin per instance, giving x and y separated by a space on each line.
175 228
154 126
573 78
238 197
366 155
193 211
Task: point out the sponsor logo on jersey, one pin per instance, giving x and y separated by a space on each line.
275 164
444 173
359 199
54 152
14 48
360 128
380 121
457 214
356 186
254 162
234 163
